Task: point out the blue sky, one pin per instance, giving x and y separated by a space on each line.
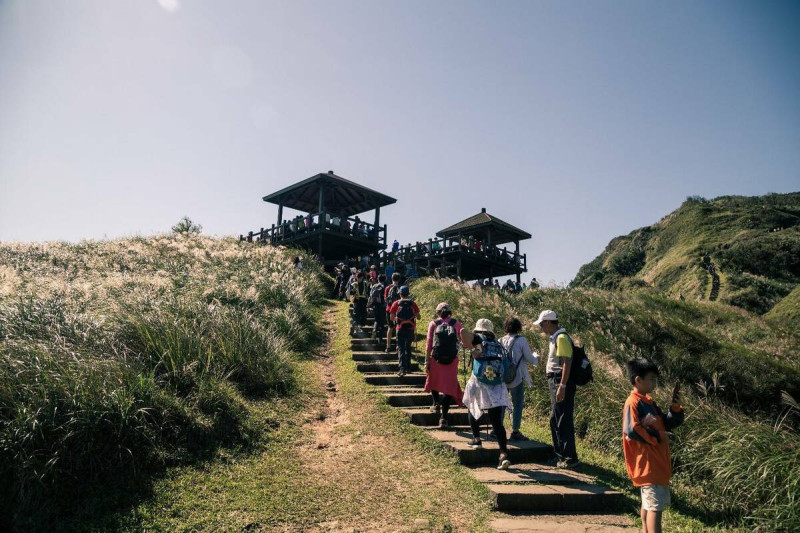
577 121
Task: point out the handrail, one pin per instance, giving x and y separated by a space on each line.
434 247
310 224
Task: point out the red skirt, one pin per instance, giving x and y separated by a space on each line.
444 379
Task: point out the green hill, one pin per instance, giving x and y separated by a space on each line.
735 457
743 251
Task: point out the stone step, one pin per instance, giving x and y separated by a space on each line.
369 345
580 498
383 367
563 524
421 416
394 379
408 399
374 356
518 452
530 473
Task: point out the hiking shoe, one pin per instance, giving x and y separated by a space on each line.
388 350
443 423
475 444
567 463
516 435
504 462
492 435
401 373
435 408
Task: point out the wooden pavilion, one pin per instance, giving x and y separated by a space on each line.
469 250
329 226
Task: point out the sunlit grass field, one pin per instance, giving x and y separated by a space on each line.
119 358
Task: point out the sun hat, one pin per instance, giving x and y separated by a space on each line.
484 324
443 306
373 267
404 290
546 315
353 270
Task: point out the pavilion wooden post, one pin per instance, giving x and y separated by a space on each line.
377 224
517 261
280 213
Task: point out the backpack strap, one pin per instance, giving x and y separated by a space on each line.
511 352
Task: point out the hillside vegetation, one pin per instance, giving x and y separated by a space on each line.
118 358
736 456
750 244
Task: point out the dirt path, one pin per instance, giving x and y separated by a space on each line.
376 478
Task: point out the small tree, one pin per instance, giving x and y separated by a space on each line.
185 225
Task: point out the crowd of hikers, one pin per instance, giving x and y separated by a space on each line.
498 375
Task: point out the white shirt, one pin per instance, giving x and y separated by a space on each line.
520 350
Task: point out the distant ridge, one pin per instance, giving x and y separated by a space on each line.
739 250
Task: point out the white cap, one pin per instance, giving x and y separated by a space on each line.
546 315
484 324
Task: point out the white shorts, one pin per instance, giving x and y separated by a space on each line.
655 497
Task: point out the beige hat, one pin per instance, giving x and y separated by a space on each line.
484 324
442 306
546 315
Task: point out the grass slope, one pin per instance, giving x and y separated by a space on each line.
736 461
336 462
121 358
757 265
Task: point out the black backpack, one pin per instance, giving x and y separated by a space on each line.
376 294
405 314
580 372
394 294
445 342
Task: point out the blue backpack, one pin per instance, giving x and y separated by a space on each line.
494 365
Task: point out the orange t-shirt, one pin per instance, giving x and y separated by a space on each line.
646 449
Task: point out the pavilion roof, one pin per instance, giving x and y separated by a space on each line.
341 196
479 225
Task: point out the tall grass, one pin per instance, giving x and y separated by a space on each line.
119 357
738 466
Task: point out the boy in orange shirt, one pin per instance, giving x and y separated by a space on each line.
645 443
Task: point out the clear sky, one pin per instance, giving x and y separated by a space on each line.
576 121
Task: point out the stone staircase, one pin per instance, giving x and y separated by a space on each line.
530 488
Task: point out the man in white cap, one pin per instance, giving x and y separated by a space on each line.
562 389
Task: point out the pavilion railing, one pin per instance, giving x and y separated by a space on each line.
436 247
314 224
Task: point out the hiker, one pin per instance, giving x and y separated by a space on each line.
645 443
337 286
378 302
360 294
441 362
485 390
350 281
562 390
404 313
373 274
297 262
520 355
395 247
391 294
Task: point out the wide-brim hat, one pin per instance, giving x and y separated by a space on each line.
484 324
443 306
546 315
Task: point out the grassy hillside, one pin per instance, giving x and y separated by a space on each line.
751 243
787 311
736 456
118 358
